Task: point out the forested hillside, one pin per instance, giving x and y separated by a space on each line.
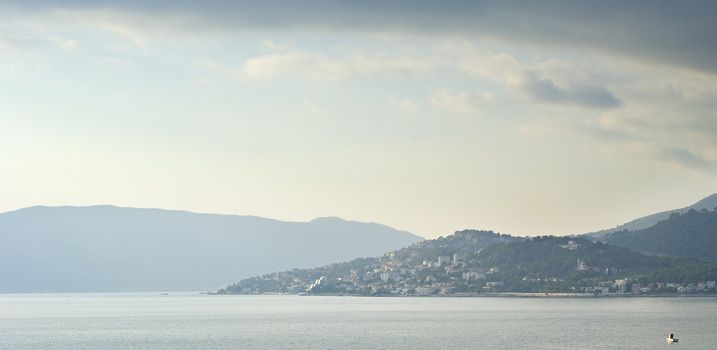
473 262
692 234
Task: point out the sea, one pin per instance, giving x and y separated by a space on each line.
196 321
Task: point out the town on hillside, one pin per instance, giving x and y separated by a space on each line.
485 263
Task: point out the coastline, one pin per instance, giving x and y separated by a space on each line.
563 295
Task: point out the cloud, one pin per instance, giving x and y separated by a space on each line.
546 90
298 63
404 104
67 44
10 41
310 106
321 66
499 67
687 159
460 46
624 140
658 139
577 87
459 102
674 32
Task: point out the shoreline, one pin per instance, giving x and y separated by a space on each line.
559 295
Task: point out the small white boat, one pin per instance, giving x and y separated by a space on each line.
671 338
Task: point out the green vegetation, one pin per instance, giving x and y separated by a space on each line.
555 264
471 262
692 234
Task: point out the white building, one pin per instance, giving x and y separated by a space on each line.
582 265
389 276
425 290
473 275
570 246
442 260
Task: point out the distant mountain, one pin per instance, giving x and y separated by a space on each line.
107 248
483 261
691 234
709 203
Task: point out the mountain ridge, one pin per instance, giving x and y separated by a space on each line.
709 203
111 248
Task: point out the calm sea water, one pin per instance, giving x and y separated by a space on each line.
189 321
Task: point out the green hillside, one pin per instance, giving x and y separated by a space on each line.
561 263
692 234
474 262
707 203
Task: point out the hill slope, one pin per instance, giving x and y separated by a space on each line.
553 263
106 248
708 203
692 234
482 261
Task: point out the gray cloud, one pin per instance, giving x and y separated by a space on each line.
546 90
11 41
680 33
685 158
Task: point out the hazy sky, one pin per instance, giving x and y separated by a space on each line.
548 117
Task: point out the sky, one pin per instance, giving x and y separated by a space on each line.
523 117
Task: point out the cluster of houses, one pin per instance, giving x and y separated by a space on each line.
444 275
627 286
451 275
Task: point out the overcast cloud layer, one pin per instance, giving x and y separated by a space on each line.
675 32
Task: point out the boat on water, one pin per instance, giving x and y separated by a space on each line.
671 338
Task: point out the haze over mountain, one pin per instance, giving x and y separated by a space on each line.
107 248
708 203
